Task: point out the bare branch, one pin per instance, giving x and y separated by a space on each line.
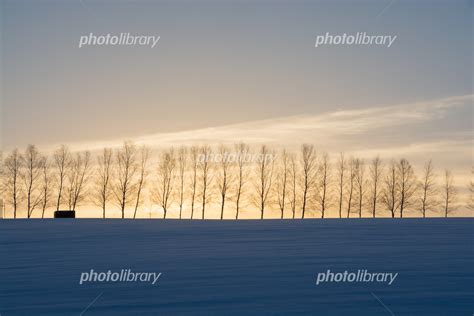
62 162
103 187
376 170
308 177
32 161
142 174
429 190
407 185
242 174
283 173
225 177
13 174
204 166
449 193
341 184
324 185
127 167
264 180
166 177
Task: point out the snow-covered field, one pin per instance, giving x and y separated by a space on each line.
237 267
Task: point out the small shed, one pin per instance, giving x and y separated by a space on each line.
65 214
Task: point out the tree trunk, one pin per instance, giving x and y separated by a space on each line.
222 207
237 207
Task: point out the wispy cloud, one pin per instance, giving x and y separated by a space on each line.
355 132
327 130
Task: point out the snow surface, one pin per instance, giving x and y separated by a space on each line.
237 267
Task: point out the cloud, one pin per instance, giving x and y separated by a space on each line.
343 130
355 132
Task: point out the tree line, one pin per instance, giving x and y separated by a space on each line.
296 185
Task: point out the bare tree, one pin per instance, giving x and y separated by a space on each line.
282 182
407 184
182 163
2 185
125 186
142 176
194 176
103 187
206 176
361 184
309 166
449 193
78 178
264 180
375 178
32 161
45 185
293 178
62 162
341 174
470 202
242 174
166 177
350 189
13 173
324 186
428 189
225 177
390 189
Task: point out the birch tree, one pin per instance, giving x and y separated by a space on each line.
194 177
45 185
142 176
324 186
390 189
2 185
375 178
125 186
166 179
293 185
182 163
78 179
351 185
282 182
309 166
449 193
32 161
62 162
428 189
242 175
206 176
103 186
264 180
407 185
224 177
13 173
340 184
361 184
470 201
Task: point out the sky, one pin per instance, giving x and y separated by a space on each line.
228 71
